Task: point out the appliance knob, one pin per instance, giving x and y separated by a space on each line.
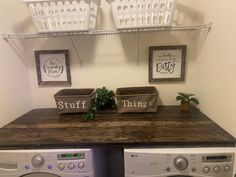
81 165
206 169
168 169
61 166
227 168
71 166
181 163
194 169
217 169
37 161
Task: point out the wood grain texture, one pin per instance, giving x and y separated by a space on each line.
45 128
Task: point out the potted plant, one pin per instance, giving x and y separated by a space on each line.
186 100
104 99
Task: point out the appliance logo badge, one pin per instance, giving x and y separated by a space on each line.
134 155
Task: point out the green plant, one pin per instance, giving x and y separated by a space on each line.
187 97
104 99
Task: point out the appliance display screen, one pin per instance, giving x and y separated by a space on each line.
217 158
71 156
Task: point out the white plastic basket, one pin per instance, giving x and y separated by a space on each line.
142 13
63 15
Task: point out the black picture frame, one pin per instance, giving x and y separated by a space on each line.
167 63
53 67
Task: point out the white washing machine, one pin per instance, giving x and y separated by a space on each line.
52 163
179 162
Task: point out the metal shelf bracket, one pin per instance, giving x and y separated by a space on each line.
14 46
76 50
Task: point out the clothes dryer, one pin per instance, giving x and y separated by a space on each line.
179 162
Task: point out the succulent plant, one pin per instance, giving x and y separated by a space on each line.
187 97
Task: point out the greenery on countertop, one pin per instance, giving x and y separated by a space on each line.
187 97
104 99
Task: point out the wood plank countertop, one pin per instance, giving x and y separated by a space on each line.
45 128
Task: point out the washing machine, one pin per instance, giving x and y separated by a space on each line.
52 163
179 162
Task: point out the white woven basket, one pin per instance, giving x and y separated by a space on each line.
63 15
142 13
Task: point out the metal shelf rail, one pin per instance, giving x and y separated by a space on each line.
9 38
205 27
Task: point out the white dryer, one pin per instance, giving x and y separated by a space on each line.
52 163
179 162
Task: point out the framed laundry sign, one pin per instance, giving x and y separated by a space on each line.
53 67
167 63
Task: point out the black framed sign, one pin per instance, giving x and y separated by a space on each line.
167 63
53 67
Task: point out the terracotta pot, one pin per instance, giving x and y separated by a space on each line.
185 106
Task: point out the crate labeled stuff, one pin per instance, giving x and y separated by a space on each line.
137 99
63 15
142 13
74 100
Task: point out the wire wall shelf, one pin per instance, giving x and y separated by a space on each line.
205 28
11 38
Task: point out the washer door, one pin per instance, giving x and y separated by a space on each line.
40 175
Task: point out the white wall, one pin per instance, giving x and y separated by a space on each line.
15 94
111 60
216 64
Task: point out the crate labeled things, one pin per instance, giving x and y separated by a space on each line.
74 100
128 14
137 99
63 15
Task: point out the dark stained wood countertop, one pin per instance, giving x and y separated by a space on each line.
45 128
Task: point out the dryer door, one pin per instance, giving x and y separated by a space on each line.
40 175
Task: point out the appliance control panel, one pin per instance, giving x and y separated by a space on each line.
217 162
51 161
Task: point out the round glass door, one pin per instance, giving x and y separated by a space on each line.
40 175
